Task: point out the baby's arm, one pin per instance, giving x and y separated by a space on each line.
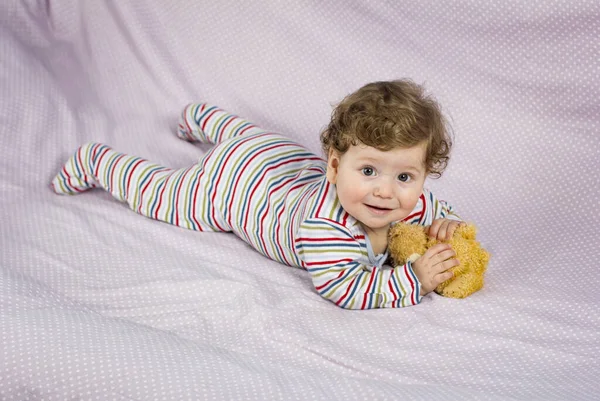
331 255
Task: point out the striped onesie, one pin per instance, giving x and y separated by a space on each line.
269 191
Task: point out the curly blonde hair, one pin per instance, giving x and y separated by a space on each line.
390 114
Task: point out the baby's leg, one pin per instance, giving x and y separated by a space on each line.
205 123
173 196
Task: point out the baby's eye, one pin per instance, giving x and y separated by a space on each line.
404 177
368 171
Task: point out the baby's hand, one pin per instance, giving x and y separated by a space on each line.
431 267
443 229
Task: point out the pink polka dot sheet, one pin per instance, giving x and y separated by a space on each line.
100 303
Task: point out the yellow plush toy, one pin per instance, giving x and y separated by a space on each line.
409 242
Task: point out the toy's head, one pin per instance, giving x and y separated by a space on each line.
408 242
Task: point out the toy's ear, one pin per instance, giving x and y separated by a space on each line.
467 231
405 240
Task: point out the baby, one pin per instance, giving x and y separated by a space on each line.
328 217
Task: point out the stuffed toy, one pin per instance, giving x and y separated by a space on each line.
408 242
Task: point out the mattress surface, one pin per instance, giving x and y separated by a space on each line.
98 302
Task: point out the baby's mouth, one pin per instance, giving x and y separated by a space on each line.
377 209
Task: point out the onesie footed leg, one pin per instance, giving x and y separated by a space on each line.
76 175
174 196
202 122
188 128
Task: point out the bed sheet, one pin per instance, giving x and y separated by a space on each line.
97 302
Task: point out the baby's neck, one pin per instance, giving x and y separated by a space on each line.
378 239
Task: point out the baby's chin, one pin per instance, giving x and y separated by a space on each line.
374 228
383 223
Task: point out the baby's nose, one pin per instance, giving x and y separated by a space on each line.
383 190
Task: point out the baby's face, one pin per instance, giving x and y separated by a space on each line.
377 187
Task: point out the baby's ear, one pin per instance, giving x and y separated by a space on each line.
333 164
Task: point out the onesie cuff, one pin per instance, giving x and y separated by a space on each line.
416 296
452 216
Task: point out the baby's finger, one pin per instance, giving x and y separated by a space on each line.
451 229
445 255
440 278
443 231
434 228
435 250
445 265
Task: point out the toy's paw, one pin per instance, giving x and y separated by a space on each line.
412 258
461 287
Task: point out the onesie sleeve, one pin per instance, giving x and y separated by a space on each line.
332 256
430 208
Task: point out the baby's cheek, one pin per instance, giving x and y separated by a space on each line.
348 197
412 200
355 192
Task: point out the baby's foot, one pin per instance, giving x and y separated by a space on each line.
188 128
72 178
